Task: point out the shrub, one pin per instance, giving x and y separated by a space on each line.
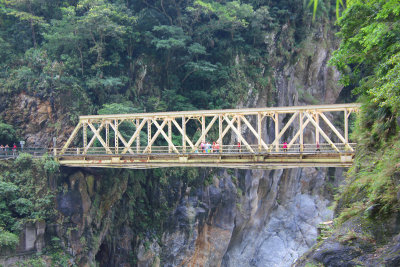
7 134
24 160
51 166
8 240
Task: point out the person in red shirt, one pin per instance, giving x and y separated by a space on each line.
285 147
14 149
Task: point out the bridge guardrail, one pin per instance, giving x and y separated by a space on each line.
165 150
225 149
34 151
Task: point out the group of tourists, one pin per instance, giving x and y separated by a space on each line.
4 150
206 147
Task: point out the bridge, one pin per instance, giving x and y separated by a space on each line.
304 136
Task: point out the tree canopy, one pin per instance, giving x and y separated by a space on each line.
369 54
158 55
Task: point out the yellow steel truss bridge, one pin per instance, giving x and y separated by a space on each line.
303 136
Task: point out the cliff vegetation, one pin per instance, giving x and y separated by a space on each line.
366 228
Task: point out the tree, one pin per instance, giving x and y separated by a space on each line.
369 53
101 21
7 134
339 3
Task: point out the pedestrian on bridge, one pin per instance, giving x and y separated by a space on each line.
285 146
1 149
14 149
6 149
215 147
202 147
318 147
208 147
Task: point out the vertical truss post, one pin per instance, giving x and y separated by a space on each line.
116 135
220 120
301 131
239 128
259 119
149 134
316 130
85 135
108 134
184 134
203 127
346 126
169 135
276 119
138 137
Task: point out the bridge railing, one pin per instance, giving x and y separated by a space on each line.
165 150
34 151
226 149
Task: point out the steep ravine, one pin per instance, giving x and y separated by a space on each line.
253 217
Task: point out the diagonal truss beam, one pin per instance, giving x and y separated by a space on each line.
282 132
186 138
205 131
167 137
134 136
298 133
97 135
225 131
119 135
333 128
321 131
239 135
254 132
73 134
150 143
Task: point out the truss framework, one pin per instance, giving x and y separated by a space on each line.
126 134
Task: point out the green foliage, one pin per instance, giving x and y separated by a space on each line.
368 58
82 54
24 192
24 160
50 166
35 261
8 134
60 258
314 3
369 52
171 37
8 240
118 108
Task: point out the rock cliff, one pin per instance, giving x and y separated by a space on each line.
253 217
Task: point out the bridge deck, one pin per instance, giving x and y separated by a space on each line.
247 161
229 157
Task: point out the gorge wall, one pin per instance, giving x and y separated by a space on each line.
243 217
